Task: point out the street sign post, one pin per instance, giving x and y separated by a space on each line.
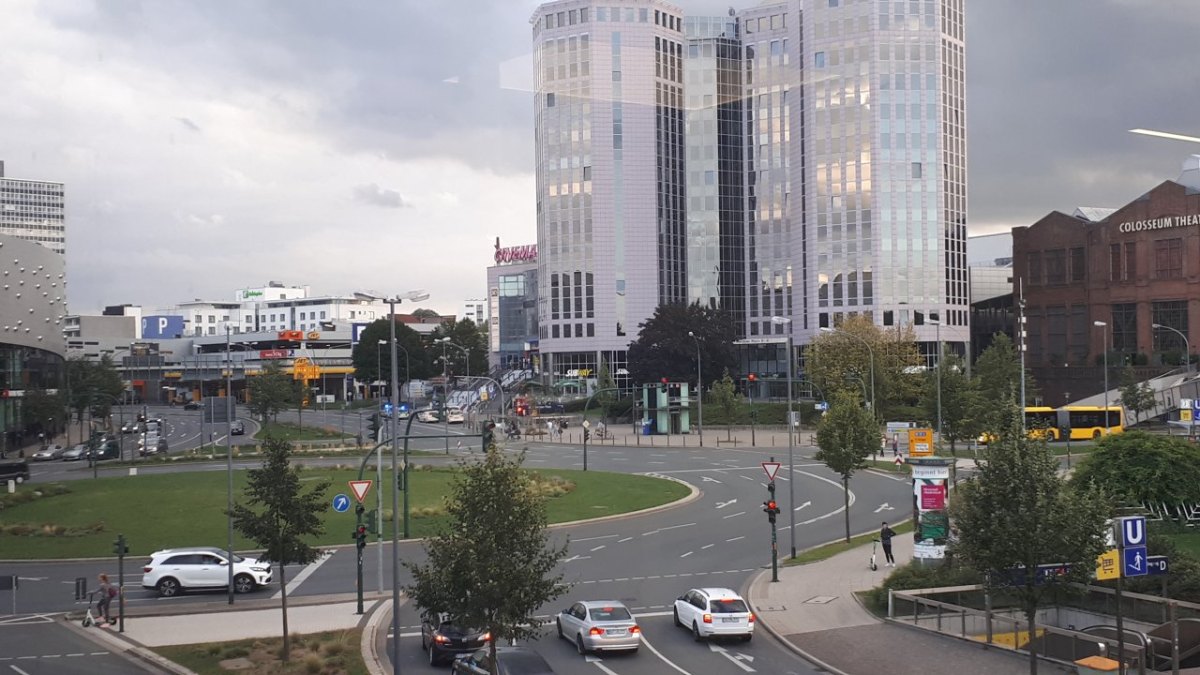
1132 531
360 488
1130 538
341 503
772 468
1133 561
1156 565
1107 567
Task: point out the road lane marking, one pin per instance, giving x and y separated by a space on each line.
686 554
595 661
597 548
660 656
707 546
304 574
622 541
734 539
22 672
606 536
721 505
735 659
664 529
804 505
734 515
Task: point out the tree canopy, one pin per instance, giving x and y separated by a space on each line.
1137 397
834 358
271 391
467 335
664 348
1018 513
93 386
372 361
961 405
725 396
491 566
846 435
1142 468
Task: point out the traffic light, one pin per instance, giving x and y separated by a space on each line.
371 520
587 434
771 508
771 489
752 377
374 425
360 537
662 385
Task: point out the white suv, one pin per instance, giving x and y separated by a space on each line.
174 570
714 612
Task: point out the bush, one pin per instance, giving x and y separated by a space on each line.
914 575
28 495
313 664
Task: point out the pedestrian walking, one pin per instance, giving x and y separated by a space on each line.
895 447
885 538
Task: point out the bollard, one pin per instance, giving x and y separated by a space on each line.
133 471
891 605
12 486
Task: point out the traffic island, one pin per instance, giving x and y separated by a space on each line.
331 653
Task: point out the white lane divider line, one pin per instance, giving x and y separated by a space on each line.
622 541
687 554
304 574
707 546
605 536
734 539
734 515
597 548
659 654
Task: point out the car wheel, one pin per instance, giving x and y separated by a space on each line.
558 625
168 588
1096 435
243 583
579 645
675 617
696 632
433 659
747 637
424 642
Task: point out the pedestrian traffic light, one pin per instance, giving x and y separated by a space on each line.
771 509
374 426
360 537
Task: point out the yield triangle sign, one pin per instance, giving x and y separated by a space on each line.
771 468
360 489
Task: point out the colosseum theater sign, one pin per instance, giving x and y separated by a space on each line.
1159 223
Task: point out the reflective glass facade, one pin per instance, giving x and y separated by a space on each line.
33 210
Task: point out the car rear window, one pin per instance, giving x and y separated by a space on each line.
730 606
610 614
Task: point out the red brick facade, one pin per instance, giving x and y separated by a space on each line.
1138 266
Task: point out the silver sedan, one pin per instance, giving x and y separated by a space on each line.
596 625
50 452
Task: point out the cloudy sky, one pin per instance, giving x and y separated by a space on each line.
383 144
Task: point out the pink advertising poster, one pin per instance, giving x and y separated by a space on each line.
933 497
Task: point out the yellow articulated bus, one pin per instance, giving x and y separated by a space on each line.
1086 422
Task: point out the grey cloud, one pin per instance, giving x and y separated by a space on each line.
188 123
376 196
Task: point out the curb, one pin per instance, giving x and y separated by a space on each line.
128 649
367 642
788 644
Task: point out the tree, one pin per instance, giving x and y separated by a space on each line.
491 566
425 313
372 361
832 357
998 376
467 335
1141 468
604 380
846 435
92 387
272 391
1137 397
1018 513
960 401
724 396
43 412
279 515
664 348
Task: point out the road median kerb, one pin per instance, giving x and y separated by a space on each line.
368 643
127 648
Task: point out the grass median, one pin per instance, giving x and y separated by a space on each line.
332 653
188 509
829 550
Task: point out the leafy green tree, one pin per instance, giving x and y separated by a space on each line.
43 412
465 334
606 399
1137 397
272 391
425 313
1019 513
279 515
372 361
833 357
492 565
664 348
846 435
92 388
725 396
1141 468
961 404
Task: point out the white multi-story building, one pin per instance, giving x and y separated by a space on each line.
273 307
475 310
33 210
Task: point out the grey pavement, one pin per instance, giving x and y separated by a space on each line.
813 608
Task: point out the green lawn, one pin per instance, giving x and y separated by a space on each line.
292 432
332 653
187 509
1188 542
829 550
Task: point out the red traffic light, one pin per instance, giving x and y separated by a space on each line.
771 505
663 380
753 377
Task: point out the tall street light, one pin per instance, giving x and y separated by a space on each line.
870 352
412 296
779 321
938 372
228 452
379 366
1105 325
699 387
1187 347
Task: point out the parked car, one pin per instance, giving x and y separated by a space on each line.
50 452
75 453
428 415
173 571
599 625
237 428
191 405
445 640
455 416
511 661
713 612
14 469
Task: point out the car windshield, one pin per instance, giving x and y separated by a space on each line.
610 614
729 606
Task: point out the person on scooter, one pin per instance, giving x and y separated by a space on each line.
107 592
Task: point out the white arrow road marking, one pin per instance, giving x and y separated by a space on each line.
304 574
664 529
804 505
573 558
721 505
744 657
733 659
595 660
19 671
706 479
659 654
885 507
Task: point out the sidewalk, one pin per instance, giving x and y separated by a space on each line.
813 610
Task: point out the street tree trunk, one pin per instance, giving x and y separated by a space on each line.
1031 618
283 594
846 504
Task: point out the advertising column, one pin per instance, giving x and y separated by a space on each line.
931 522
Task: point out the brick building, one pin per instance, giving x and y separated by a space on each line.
1130 268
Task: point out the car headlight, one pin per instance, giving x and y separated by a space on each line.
260 569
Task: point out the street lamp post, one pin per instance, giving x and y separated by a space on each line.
791 374
379 366
1105 325
699 388
938 373
870 352
1187 347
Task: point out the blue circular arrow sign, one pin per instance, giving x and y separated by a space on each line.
341 503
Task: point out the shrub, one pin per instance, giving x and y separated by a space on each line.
914 575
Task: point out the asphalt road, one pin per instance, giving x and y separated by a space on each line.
41 646
719 540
